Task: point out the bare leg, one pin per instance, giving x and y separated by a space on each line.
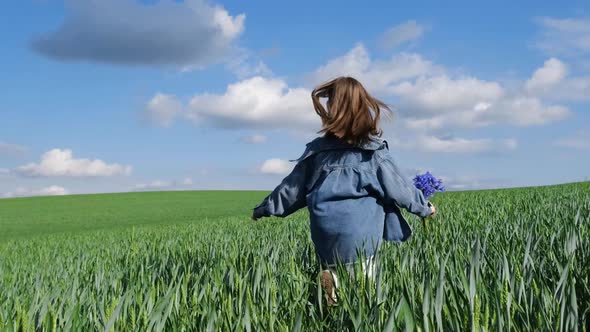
329 277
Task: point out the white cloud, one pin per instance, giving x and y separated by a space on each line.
400 34
58 162
256 103
191 33
377 76
161 185
276 167
11 149
552 72
472 182
156 184
254 139
427 143
579 141
48 191
525 111
567 36
354 63
4 171
551 81
574 143
428 98
520 112
162 109
247 65
441 93
575 89
510 143
244 70
441 102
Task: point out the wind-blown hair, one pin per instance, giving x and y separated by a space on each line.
352 113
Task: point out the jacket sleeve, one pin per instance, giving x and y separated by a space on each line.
287 197
397 189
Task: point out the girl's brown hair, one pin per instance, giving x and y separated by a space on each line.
352 115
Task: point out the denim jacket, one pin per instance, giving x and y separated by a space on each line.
353 194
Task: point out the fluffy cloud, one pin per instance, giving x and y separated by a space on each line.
256 102
161 185
400 34
245 69
552 72
581 141
48 191
162 109
427 143
376 75
276 167
523 111
567 36
156 184
441 102
575 89
552 81
473 182
58 162
574 143
442 94
246 65
11 149
429 98
191 33
254 139
520 111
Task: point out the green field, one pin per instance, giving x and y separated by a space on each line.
515 259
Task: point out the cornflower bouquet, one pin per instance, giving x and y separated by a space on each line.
428 185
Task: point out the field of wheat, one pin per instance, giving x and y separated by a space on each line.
495 260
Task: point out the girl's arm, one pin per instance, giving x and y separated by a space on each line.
397 189
287 197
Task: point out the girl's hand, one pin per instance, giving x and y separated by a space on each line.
433 209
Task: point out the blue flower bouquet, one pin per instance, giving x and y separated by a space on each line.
428 185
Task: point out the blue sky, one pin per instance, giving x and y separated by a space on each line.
124 95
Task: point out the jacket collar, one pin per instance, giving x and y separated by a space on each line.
331 143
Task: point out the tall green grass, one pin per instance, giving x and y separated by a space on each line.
499 260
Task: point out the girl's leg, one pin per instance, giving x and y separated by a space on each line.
329 282
369 268
329 277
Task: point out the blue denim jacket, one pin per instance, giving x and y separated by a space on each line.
353 195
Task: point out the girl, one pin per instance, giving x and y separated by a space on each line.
349 182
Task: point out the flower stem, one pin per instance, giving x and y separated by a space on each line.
424 224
